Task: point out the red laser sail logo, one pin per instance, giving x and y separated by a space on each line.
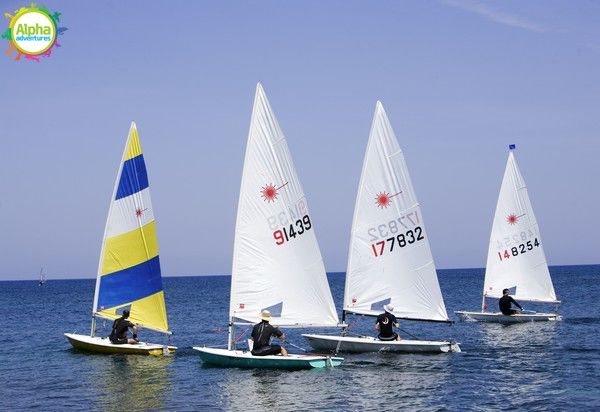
269 192
513 219
384 199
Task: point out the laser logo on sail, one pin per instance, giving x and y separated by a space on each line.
384 199
269 192
513 219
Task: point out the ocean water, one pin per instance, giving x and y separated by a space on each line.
543 366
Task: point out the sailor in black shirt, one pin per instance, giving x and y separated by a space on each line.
385 324
261 337
119 330
505 304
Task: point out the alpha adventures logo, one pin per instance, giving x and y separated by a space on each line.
32 32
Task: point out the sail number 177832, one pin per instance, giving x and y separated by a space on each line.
402 240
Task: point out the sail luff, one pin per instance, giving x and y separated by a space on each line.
110 207
370 142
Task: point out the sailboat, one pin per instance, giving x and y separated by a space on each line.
516 259
42 277
129 270
389 261
277 264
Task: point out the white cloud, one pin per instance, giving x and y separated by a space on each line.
501 17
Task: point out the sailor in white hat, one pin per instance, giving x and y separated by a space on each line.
261 337
386 322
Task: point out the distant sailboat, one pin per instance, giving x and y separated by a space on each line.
516 259
390 260
129 270
277 263
42 277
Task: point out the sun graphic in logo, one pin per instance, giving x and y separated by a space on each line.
139 211
512 219
383 199
269 193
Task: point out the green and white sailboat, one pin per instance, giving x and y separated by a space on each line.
129 275
277 263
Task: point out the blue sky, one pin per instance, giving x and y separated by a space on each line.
460 80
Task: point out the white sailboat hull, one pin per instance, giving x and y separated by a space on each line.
361 344
97 344
244 359
498 317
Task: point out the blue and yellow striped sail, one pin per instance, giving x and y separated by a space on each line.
129 268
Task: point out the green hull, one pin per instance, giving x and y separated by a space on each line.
239 359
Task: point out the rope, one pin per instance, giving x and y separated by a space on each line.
240 335
409 334
297 347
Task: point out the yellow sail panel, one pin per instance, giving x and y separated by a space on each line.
134 148
129 249
149 312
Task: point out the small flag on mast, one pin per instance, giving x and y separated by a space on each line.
512 146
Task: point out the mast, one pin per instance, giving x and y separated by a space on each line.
98 273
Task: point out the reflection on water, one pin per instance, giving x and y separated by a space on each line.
414 381
517 362
509 336
132 382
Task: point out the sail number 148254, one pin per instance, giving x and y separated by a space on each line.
519 249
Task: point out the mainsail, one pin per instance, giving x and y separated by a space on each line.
277 263
390 260
516 259
129 269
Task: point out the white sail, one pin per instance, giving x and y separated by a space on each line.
277 263
390 259
516 259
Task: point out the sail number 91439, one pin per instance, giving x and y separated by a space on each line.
519 249
403 239
297 228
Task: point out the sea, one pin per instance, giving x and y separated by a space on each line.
546 366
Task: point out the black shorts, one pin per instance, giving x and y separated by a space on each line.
510 312
267 350
118 341
386 338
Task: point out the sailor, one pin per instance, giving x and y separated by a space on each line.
385 324
505 304
261 337
119 330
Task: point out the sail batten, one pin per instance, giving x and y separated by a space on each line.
276 259
129 273
516 257
390 258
